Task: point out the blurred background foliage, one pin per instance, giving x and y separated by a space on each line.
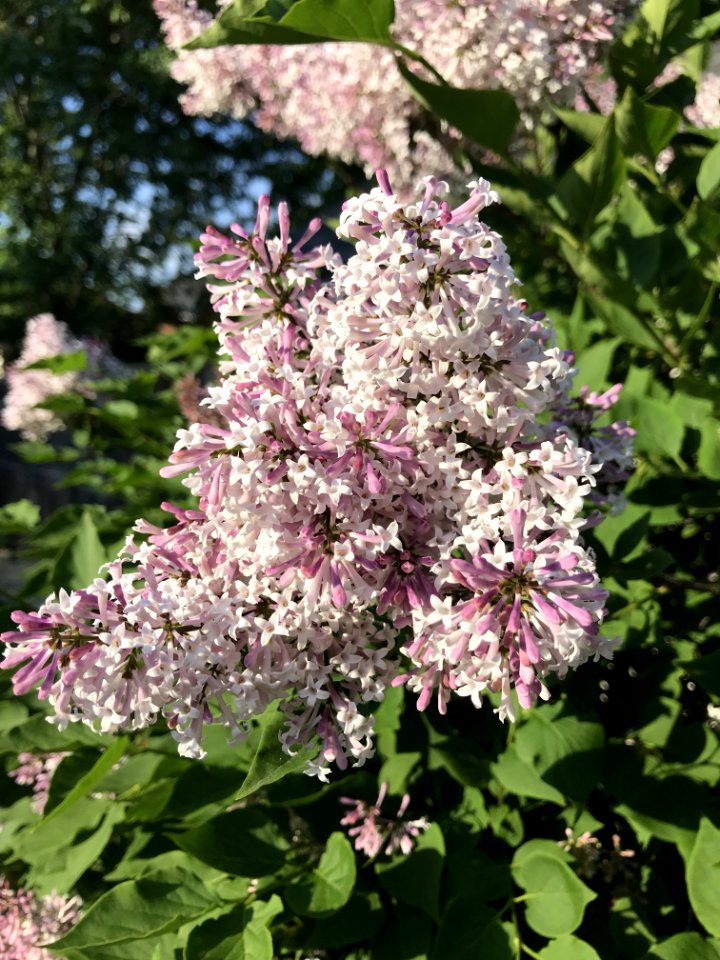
106 181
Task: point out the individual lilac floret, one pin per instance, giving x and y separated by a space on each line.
389 490
37 771
373 833
26 922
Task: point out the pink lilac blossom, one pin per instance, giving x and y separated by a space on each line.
36 771
26 922
47 337
374 833
349 100
387 493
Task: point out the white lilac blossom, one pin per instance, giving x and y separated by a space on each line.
374 833
27 922
27 388
391 486
349 101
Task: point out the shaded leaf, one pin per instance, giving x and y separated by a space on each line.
270 763
703 877
329 885
87 783
642 128
245 843
487 117
592 181
415 879
240 934
684 946
708 178
468 930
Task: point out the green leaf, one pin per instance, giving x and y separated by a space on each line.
240 934
684 946
270 762
87 783
415 878
60 869
137 910
565 751
122 409
708 455
703 877
569 948
22 516
80 561
621 320
667 17
708 178
592 181
594 363
644 129
487 117
307 21
329 885
245 843
586 125
519 777
342 19
397 769
12 714
659 428
471 930
63 363
557 898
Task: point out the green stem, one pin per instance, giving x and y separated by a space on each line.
531 953
699 320
419 58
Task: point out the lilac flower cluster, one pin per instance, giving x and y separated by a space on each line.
27 388
26 922
387 493
36 771
349 100
374 833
